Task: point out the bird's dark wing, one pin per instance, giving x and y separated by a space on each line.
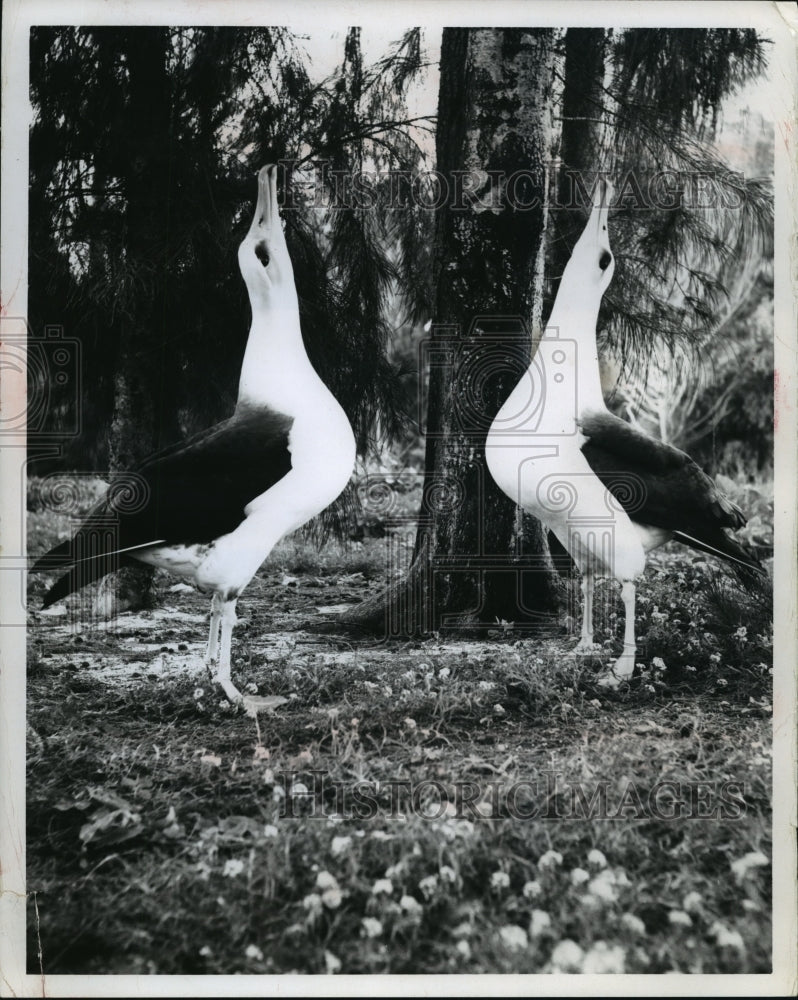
656 483
199 492
606 430
659 485
190 493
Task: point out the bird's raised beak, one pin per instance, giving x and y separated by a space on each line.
597 224
266 209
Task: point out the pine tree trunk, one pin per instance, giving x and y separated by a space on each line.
475 561
580 143
141 417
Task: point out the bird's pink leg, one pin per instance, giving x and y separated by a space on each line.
212 652
586 644
624 666
228 616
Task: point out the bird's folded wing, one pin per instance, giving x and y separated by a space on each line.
616 436
189 493
655 483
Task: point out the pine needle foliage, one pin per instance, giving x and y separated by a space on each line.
235 99
686 228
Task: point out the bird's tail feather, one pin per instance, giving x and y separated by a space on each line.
82 573
747 567
58 557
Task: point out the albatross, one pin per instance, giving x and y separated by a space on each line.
217 504
608 492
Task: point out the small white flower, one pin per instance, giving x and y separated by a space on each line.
578 876
531 889
498 709
486 685
205 951
597 859
313 904
680 919
658 663
448 874
633 923
332 898
444 673
410 724
232 868
371 927
270 830
411 906
254 952
726 938
198 693
428 885
692 902
539 923
604 959
550 859
331 895
298 788
340 845
324 880
464 948
567 957
513 937
603 886
332 963
741 867
499 880
383 886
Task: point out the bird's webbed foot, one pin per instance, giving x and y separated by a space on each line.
620 671
226 684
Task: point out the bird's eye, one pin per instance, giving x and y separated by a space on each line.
262 253
605 260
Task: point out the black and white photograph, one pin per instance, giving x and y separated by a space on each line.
398 514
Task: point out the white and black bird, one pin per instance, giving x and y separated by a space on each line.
217 504
609 493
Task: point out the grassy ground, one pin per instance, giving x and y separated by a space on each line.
441 806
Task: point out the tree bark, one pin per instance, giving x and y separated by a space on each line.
476 560
580 142
143 417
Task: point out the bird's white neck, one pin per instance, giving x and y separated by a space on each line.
276 371
573 318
